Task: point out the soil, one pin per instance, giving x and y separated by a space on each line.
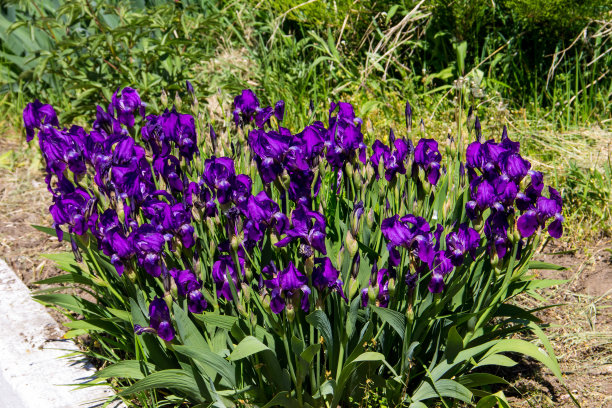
580 328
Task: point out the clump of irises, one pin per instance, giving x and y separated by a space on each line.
254 216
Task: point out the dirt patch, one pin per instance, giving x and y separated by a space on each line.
580 330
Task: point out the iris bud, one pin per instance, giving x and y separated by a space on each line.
178 101
357 180
353 288
349 170
168 300
309 265
391 286
212 246
246 291
248 273
369 172
373 293
351 243
290 312
234 243
253 170
381 169
265 301
494 257
164 98
340 258
370 218
131 274
410 314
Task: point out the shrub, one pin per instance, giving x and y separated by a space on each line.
247 264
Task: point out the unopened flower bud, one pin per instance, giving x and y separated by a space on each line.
410 314
235 243
286 180
349 170
168 300
265 301
164 98
246 291
290 312
353 288
131 274
340 258
391 286
248 273
371 218
351 243
372 293
381 169
309 265
178 101
369 172
494 257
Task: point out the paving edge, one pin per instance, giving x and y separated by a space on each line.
33 370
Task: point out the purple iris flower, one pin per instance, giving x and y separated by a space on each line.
496 231
289 289
113 240
393 158
265 212
326 277
188 285
311 140
545 209
160 322
169 168
220 269
36 115
410 232
241 190
427 157
439 266
379 283
344 136
463 241
408 114
245 105
279 110
180 129
514 166
149 244
219 175
126 105
309 226
72 209
270 149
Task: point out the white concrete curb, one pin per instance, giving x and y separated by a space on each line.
32 372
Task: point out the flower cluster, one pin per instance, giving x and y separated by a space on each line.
503 185
139 185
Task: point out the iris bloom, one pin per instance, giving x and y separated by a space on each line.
159 320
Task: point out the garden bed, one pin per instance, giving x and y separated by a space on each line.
580 329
